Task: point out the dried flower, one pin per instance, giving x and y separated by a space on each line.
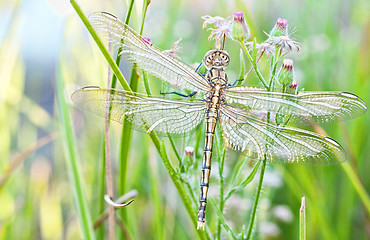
240 28
176 47
285 43
223 28
285 75
218 21
263 48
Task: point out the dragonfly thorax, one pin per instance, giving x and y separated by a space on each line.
216 59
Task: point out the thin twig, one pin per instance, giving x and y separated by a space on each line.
108 167
250 70
20 157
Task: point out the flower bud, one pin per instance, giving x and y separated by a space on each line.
292 88
240 27
286 75
279 27
189 151
281 23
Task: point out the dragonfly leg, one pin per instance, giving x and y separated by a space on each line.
182 95
236 81
196 70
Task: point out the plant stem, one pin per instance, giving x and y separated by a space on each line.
222 199
118 57
177 182
254 63
302 220
256 200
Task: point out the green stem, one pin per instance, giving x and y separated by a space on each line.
126 134
256 200
101 46
302 221
254 63
175 151
178 183
118 57
221 218
245 182
222 199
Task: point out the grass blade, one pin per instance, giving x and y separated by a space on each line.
72 161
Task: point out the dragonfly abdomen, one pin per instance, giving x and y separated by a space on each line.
211 119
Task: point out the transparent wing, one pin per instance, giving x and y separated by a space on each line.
318 106
137 50
245 132
143 113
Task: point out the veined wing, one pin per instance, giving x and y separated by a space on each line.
137 50
279 144
143 113
319 106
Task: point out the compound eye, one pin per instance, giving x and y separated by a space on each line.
208 60
225 59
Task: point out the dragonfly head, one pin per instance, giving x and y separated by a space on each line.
216 59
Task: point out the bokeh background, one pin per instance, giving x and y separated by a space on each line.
42 41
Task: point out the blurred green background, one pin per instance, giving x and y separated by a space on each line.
42 41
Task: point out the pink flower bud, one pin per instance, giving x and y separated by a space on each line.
189 151
285 75
294 85
240 27
282 23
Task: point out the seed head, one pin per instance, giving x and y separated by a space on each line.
264 48
285 43
218 21
221 31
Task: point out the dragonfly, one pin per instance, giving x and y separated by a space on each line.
247 115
